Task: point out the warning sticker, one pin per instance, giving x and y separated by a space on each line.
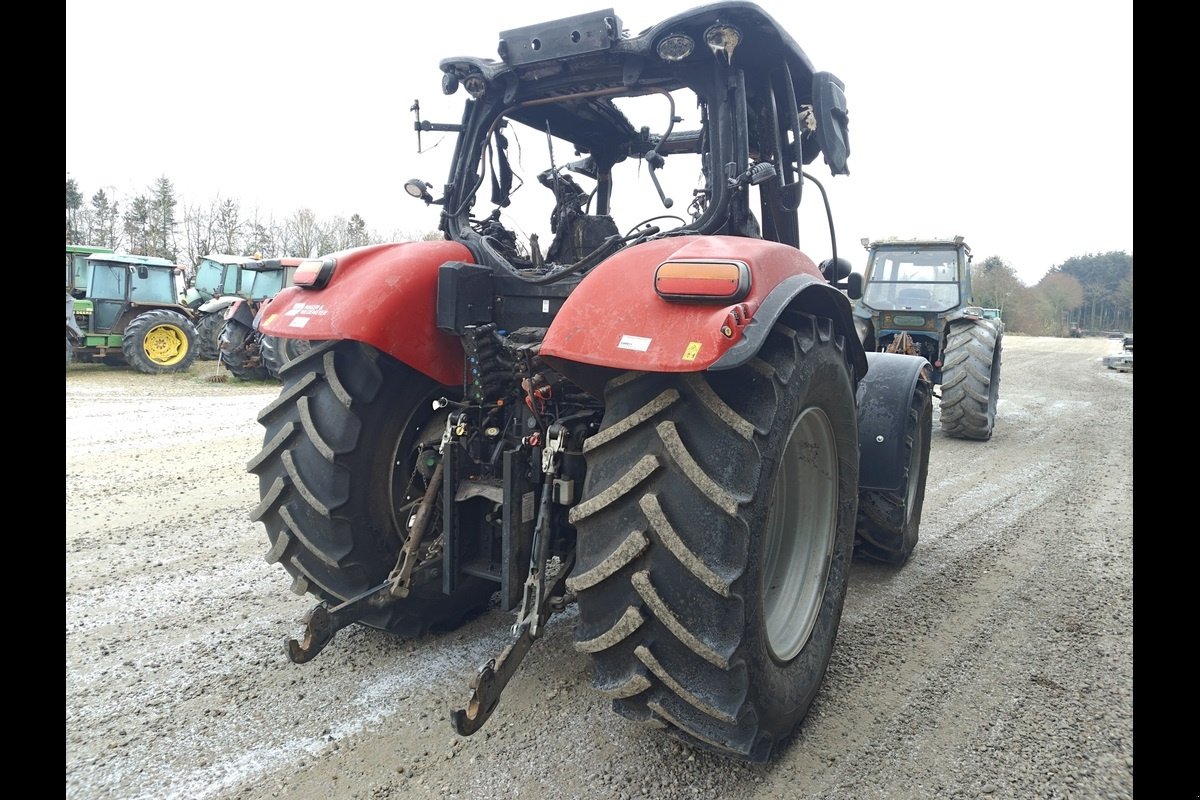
639 343
527 507
693 350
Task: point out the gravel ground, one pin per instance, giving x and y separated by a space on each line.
998 663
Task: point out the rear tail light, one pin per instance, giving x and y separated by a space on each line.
314 273
702 281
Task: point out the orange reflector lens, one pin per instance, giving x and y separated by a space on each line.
314 273
702 281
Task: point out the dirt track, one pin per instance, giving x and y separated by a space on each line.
997 663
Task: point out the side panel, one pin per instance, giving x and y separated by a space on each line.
217 304
383 295
615 319
884 399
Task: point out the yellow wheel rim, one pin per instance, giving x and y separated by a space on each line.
165 345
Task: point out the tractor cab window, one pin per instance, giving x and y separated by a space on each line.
921 280
109 281
158 286
80 269
265 284
232 276
210 277
245 281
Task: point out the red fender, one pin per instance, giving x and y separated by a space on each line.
614 318
384 295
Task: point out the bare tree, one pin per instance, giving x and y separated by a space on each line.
303 234
261 236
337 235
199 233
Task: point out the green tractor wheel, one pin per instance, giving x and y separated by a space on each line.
159 341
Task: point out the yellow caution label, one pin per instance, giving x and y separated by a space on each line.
693 349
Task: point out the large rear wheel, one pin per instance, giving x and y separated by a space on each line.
159 341
714 536
240 352
971 379
338 482
208 335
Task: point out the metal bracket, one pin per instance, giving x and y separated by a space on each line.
493 676
322 622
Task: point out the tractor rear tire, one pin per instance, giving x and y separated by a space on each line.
278 351
208 336
240 352
334 469
888 522
715 534
159 341
971 379
70 351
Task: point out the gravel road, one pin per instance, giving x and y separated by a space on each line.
998 663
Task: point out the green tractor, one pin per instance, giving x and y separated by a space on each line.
220 279
79 273
917 300
129 313
245 352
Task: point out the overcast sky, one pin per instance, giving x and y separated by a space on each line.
1010 124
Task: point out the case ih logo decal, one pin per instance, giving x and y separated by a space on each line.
303 312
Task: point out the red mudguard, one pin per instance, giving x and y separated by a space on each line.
384 295
616 319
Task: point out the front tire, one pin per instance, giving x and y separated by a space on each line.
888 522
159 341
715 532
334 477
971 380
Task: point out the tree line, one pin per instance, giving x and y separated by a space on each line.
159 223
1088 293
